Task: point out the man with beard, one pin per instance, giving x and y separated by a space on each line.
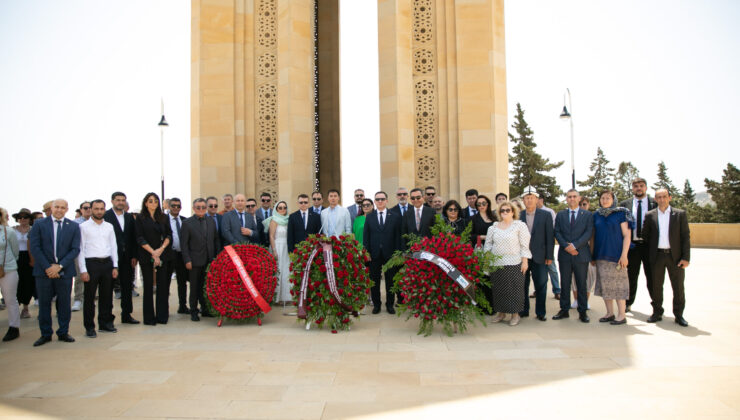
123 227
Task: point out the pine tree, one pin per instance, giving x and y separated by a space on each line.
527 166
601 178
726 194
626 172
664 181
689 197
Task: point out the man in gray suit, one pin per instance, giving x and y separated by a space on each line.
198 242
237 226
573 230
354 208
335 219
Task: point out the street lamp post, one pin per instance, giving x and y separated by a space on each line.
162 124
565 115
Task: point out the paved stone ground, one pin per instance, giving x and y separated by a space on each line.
382 369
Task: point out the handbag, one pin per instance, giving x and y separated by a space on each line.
5 253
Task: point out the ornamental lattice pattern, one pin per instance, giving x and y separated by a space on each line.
426 120
266 170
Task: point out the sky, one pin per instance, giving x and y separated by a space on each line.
81 83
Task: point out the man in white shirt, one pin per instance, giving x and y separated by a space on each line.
335 220
176 264
98 262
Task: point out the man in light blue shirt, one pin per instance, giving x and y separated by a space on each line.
335 219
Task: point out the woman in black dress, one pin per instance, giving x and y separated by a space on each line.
481 222
154 235
451 213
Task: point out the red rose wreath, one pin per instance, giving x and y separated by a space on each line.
336 285
228 290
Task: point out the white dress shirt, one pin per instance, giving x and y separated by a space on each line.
645 209
664 221
175 236
55 229
97 241
381 213
121 219
304 217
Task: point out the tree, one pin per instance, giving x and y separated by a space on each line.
689 197
527 166
664 181
601 178
726 194
626 172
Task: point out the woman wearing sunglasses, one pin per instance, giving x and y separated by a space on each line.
508 238
277 228
358 226
452 217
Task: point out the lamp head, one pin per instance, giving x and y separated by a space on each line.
563 115
163 122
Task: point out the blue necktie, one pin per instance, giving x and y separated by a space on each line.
572 219
59 239
241 217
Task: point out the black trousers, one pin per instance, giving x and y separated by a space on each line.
26 282
376 269
177 266
163 293
664 262
125 283
635 257
101 275
197 279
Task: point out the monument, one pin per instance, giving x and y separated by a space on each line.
265 96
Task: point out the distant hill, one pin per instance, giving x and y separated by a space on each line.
704 198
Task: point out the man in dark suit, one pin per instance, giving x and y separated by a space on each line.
402 195
212 213
471 196
54 245
573 229
302 223
640 204
176 264
541 243
666 233
238 225
381 238
123 226
255 212
318 202
420 218
199 243
354 208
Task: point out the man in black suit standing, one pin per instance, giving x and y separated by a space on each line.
123 227
381 238
420 218
541 243
199 243
176 264
573 229
666 233
640 204
318 202
402 195
212 212
302 223
471 196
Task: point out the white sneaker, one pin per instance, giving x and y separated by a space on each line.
589 306
574 304
77 306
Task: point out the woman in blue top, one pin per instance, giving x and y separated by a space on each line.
611 242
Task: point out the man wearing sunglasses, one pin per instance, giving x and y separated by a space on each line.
317 202
177 264
419 219
402 195
199 247
212 213
357 207
429 193
302 223
78 289
381 238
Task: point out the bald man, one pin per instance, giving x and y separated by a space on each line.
237 226
54 244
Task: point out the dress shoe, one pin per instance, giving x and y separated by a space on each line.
556 296
615 322
108 328
129 320
66 338
679 320
134 293
583 317
194 316
376 310
14 333
41 341
391 310
541 317
183 310
655 318
150 322
523 314
91 333
561 314
607 319
206 314
533 295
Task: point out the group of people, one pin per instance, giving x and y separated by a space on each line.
101 249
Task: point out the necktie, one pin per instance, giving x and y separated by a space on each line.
403 210
241 218
178 226
418 219
303 214
572 218
59 239
639 219
381 220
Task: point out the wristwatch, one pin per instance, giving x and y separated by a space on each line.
61 267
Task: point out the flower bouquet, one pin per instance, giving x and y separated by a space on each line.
240 283
330 280
439 280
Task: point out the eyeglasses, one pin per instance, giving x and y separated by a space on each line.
367 205
303 202
453 209
251 206
481 204
316 199
359 195
213 206
85 208
502 211
401 194
282 208
379 198
266 200
199 207
584 204
175 206
430 194
416 197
